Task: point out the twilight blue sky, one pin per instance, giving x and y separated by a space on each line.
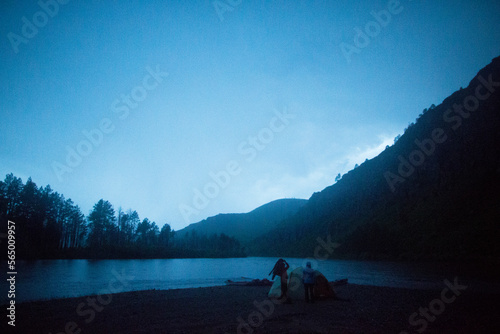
232 66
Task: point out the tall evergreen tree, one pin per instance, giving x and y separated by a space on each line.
102 224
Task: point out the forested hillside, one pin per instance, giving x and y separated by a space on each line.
433 195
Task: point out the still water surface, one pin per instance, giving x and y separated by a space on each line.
47 279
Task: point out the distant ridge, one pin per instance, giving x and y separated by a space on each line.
246 226
433 195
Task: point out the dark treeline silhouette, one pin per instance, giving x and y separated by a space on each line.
50 226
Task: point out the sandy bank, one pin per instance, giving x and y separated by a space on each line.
233 309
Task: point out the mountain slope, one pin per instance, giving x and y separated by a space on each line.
434 194
246 226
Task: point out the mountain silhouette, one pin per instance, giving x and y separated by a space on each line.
433 195
246 226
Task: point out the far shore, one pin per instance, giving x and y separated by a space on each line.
247 309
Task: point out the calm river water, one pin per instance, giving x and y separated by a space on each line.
47 279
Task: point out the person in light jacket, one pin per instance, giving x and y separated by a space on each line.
308 278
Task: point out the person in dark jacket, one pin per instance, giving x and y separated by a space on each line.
280 269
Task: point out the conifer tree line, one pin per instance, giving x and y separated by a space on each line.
48 225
